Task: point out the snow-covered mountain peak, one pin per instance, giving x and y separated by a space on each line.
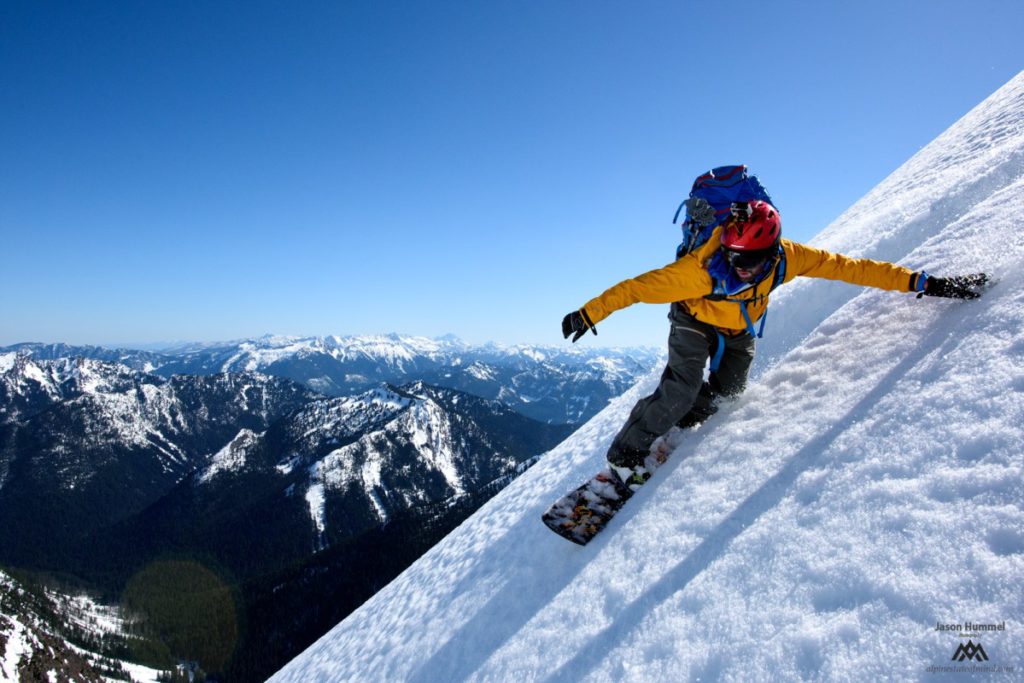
863 492
89 376
7 361
26 381
388 347
387 451
232 457
20 369
381 400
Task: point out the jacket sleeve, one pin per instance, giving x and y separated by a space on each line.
683 279
810 262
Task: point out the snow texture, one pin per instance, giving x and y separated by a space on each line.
864 490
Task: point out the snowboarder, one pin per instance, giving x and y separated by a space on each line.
718 292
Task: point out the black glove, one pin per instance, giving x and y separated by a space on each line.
578 322
958 287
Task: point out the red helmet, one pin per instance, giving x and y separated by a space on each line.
754 226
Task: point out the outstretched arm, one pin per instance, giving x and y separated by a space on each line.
811 262
802 260
680 280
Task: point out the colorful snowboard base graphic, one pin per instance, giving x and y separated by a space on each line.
582 513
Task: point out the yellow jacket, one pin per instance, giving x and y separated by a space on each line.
688 282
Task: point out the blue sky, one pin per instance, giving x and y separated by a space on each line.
213 171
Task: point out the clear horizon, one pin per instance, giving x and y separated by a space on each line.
203 172
168 345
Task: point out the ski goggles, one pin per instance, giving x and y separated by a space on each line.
749 260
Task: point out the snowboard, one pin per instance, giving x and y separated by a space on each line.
582 513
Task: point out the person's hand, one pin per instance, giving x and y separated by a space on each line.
577 322
957 287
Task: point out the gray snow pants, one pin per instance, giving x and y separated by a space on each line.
682 396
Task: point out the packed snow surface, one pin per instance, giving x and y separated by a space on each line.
855 515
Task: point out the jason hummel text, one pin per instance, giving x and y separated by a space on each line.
968 626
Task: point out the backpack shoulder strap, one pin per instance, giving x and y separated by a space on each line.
780 270
718 293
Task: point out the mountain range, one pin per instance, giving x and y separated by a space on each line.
113 462
558 385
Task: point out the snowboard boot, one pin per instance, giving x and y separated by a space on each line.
697 415
634 468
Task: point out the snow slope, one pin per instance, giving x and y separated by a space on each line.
866 489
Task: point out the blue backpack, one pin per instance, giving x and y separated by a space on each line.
709 202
